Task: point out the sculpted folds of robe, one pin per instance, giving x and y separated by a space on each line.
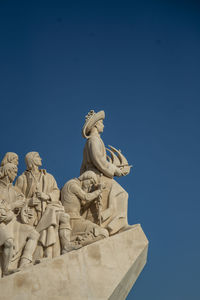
15 230
45 217
28 185
114 197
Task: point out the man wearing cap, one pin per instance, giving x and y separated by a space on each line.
114 197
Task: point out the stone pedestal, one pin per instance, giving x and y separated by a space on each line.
104 270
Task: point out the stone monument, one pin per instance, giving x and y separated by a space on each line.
73 243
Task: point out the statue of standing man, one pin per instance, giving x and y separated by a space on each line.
49 218
114 200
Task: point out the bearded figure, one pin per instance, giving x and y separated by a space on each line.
10 157
17 241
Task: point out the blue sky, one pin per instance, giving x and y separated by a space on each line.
140 62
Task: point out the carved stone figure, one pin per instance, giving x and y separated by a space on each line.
17 241
39 222
10 157
114 198
76 196
25 212
49 218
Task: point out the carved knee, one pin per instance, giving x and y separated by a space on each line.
64 221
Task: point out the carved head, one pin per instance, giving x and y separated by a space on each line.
9 170
33 159
99 125
88 179
93 120
10 157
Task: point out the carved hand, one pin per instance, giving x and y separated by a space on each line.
10 216
6 216
124 173
42 196
33 201
118 172
19 203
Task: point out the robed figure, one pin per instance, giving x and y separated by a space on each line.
114 202
49 218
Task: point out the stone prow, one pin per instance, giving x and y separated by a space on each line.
103 270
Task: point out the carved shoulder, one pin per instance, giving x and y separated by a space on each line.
21 183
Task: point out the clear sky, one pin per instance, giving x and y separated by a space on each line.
140 62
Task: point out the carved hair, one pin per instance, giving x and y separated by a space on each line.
4 170
29 159
88 175
8 158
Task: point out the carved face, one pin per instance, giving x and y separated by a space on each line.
37 160
87 185
15 160
12 173
100 126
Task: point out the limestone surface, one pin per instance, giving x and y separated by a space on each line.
41 226
114 199
103 270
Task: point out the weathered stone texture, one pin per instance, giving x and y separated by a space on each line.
104 270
